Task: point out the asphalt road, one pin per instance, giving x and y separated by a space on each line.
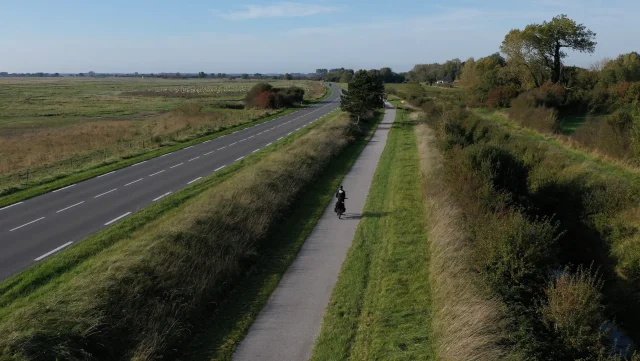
33 230
287 327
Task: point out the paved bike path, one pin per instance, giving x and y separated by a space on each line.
286 329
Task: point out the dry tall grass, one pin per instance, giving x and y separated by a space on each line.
38 147
141 297
467 321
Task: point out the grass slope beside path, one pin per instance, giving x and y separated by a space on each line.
18 194
228 327
380 307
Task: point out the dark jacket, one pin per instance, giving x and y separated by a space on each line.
341 195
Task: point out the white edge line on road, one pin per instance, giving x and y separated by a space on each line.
162 196
241 158
156 173
128 184
255 150
164 155
192 159
268 144
64 209
219 168
195 180
280 138
52 251
289 133
206 141
106 174
117 219
191 146
177 165
15 204
100 195
26 224
139 163
58 190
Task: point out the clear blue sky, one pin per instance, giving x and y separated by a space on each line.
274 36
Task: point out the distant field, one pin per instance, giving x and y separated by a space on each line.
46 122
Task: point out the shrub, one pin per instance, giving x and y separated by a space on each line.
264 96
573 311
530 113
501 96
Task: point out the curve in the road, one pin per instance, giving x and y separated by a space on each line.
33 230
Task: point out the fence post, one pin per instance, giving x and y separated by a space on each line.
27 175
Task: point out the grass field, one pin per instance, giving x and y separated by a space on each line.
45 157
50 126
167 265
569 124
380 307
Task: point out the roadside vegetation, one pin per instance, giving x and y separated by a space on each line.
381 305
143 293
533 226
76 125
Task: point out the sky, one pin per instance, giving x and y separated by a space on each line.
284 36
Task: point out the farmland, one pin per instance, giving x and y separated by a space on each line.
50 126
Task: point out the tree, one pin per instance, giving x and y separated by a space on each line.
346 77
549 38
92 73
365 94
244 76
524 60
288 76
202 75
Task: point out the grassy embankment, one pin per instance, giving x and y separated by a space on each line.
554 234
381 304
186 126
138 289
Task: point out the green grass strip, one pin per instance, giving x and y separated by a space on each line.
50 184
227 328
380 306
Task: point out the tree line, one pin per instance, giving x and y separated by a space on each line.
342 75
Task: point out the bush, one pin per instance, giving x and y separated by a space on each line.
616 135
264 96
530 113
501 96
573 311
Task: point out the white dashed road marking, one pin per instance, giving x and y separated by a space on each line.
26 224
136 181
11 205
100 195
156 173
64 209
106 174
192 159
195 180
162 196
52 251
177 165
61 189
117 219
